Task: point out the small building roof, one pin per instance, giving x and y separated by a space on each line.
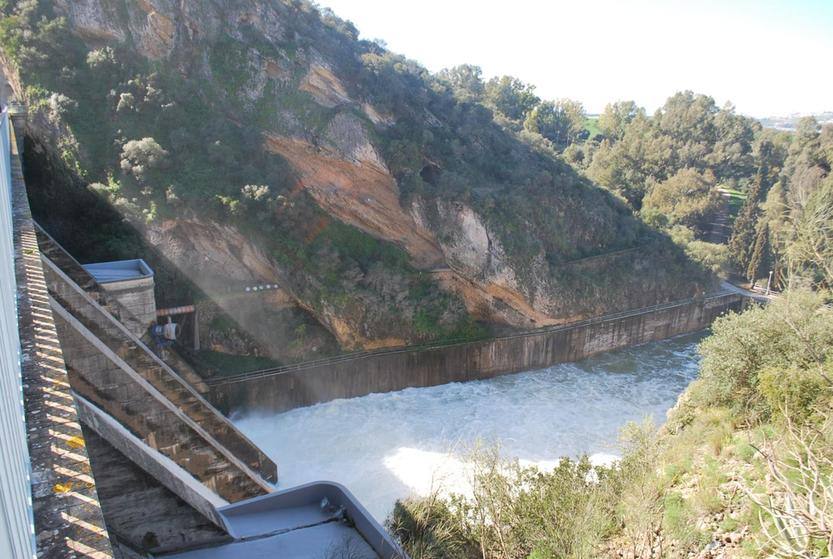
120 270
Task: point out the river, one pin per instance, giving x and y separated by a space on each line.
387 446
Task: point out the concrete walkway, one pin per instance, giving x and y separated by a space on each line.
760 297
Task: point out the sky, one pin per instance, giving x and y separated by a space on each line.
767 57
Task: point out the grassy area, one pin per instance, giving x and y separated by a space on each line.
591 124
736 198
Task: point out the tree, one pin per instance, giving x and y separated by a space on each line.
511 96
742 239
560 121
759 261
811 251
797 211
628 165
616 117
466 81
687 198
141 161
731 154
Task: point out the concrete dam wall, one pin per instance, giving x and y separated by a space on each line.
290 387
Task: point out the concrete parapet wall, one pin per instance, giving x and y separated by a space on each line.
391 370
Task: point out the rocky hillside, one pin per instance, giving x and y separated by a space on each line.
259 141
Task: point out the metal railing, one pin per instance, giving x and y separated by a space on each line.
17 532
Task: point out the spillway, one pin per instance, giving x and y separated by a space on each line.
388 446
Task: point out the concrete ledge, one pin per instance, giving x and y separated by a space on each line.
320 519
162 468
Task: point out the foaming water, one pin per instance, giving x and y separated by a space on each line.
388 446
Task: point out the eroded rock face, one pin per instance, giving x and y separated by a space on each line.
324 86
210 253
342 170
93 20
353 185
480 272
157 31
222 262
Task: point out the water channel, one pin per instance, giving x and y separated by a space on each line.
387 446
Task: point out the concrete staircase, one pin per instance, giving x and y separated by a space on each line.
120 374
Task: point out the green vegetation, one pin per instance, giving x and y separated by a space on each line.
157 144
673 167
591 124
688 198
752 433
215 363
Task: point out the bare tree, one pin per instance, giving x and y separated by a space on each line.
796 512
812 246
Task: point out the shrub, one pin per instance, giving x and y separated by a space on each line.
792 332
712 256
428 529
793 391
513 512
679 521
687 198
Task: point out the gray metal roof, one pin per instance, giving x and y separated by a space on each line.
120 270
317 520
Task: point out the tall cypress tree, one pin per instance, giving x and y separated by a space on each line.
742 241
744 229
761 257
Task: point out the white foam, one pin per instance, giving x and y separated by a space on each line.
388 446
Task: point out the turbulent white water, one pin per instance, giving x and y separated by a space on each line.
387 446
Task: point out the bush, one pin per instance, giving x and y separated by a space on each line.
794 332
679 521
712 256
793 391
513 512
687 198
428 529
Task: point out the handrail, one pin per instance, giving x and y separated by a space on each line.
283 369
